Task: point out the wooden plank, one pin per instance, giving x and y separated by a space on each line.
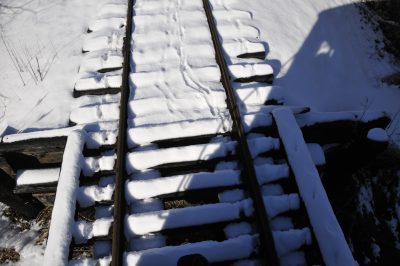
25 205
331 240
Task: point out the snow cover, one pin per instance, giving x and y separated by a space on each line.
37 176
144 223
139 189
149 133
88 195
291 240
64 132
82 231
317 153
91 165
141 160
312 118
332 243
23 241
147 242
60 232
96 113
146 205
323 55
249 70
271 172
231 249
101 138
52 31
378 134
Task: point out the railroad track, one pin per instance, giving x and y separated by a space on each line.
194 164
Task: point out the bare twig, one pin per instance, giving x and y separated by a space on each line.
13 59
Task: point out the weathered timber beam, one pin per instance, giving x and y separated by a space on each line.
26 205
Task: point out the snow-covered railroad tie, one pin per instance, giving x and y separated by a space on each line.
200 161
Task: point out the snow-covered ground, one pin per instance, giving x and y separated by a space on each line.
324 56
23 241
40 52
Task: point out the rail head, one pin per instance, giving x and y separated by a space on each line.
266 238
119 202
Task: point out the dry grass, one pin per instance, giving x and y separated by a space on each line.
17 219
43 220
8 255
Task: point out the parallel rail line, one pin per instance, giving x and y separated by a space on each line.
267 241
119 201
248 174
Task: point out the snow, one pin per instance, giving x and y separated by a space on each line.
281 223
272 190
366 200
52 31
312 118
308 61
144 223
37 176
249 70
291 240
106 39
256 94
255 121
147 242
233 49
267 173
62 132
141 160
293 259
138 189
101 249
91 165
146 205
378 135
231 249
113 10
95 81
91 262
88 195
82 231
23 241
238 229
231 196
107 23
322 54
60 232
262 144
103 211
333 245
317 153
96 113
147 134
101 138
275 205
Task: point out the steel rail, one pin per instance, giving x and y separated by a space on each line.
249 175
118 239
